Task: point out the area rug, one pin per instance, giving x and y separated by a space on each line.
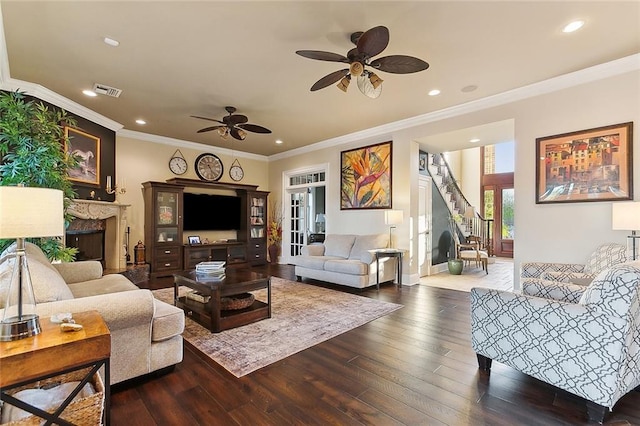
302 316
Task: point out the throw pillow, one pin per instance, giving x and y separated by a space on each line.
47 283
338 245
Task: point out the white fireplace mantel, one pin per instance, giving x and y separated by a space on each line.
116 225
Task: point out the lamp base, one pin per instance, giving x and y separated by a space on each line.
16 329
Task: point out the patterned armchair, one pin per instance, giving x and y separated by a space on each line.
590 348
604 256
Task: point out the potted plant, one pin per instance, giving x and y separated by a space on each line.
31 154
454 264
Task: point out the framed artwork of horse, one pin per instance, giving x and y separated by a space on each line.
86 149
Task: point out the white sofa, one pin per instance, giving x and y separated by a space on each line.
345 260
146 334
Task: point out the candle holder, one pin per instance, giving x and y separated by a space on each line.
115 189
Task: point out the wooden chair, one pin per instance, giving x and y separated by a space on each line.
472 250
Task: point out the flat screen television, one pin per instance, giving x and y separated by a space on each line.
204 212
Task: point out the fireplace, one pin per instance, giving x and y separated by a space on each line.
99 226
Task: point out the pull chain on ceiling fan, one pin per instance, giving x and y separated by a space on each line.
368 44
233 124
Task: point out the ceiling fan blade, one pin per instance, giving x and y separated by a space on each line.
206 118
373 41
208 129
329 79
399 64
253 128
322 56
235 133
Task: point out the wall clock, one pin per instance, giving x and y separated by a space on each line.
235 171
209 167
177 163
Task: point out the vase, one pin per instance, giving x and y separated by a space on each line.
455 266
273 253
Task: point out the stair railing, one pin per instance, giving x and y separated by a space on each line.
471 223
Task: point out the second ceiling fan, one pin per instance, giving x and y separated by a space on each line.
368 44
233 124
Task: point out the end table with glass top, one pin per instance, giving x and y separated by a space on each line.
388 253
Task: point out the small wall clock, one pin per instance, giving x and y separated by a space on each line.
209 167
235 171
177 163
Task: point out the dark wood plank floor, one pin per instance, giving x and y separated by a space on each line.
412 367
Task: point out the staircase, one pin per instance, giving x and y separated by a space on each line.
467 220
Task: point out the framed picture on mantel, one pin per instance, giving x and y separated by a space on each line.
587 165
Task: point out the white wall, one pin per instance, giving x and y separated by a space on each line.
556 232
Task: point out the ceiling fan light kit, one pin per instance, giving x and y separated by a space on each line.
368 44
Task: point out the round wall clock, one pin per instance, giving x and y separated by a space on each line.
177 163
235 171
209 167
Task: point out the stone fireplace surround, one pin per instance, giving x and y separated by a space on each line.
115 219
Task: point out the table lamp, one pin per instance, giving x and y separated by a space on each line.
393 217
320 220
625 216
26 212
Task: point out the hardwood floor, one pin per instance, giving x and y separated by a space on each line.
412 367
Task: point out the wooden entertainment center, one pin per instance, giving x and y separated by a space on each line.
163 228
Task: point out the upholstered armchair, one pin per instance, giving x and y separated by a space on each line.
604 256
589 347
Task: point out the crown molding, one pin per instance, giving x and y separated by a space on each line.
47 95
598 72
187 144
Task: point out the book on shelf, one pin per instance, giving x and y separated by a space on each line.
198 297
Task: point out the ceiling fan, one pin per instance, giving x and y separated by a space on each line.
368 44
233 124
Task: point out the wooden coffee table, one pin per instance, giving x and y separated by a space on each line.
209 314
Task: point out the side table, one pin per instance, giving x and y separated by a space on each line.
388 253
54 352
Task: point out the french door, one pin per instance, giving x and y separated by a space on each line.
498 203
298 202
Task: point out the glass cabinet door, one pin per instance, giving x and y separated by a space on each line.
257 217
166 217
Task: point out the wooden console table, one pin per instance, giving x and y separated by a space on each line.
52 353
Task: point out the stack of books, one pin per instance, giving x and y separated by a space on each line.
198 297
212 270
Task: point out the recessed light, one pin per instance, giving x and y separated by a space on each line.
434 92
141 121
90 93
474 140
469 88
111 42
278 141
573 26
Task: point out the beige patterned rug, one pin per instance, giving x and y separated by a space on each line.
302 316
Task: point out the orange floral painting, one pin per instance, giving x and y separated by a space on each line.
365 181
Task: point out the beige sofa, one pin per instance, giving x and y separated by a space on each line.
345 260
146 334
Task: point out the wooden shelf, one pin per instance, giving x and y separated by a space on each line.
219 185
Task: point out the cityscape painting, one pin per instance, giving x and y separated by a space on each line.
589 165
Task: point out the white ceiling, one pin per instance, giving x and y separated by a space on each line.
180 58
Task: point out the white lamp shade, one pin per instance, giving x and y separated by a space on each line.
31 212
470 212
320 218
393 217
625 216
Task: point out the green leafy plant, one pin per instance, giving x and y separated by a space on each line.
31 154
